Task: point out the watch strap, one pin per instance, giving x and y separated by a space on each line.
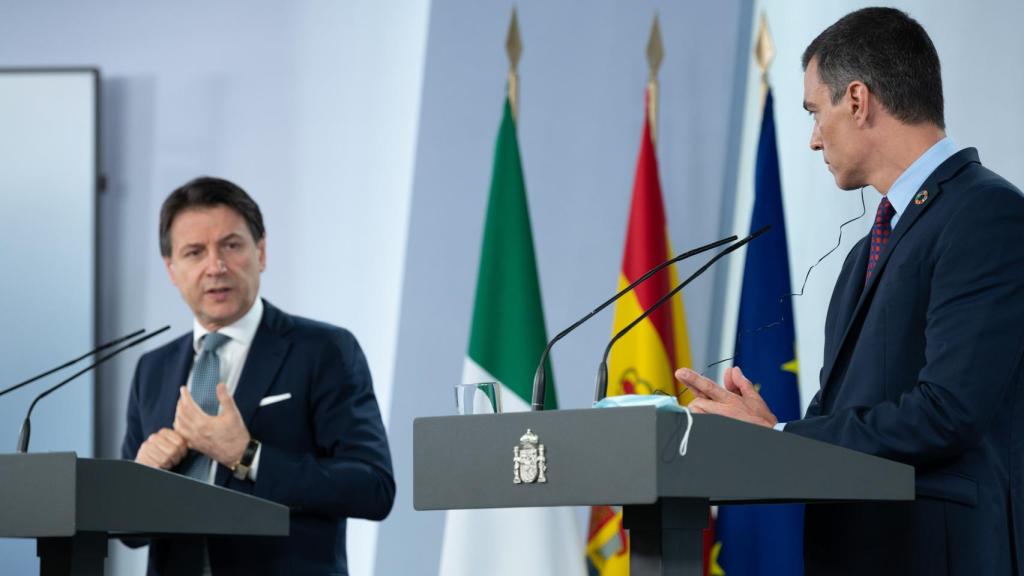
244 465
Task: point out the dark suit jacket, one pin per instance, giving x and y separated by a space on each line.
324 455
924 366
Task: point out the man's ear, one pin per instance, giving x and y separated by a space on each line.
858 98
170 270
261 246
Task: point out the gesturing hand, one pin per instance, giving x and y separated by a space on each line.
738 399
222 437
163 449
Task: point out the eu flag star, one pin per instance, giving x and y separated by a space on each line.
793 366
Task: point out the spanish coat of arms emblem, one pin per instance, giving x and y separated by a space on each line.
529 464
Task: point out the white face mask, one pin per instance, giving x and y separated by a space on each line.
661 402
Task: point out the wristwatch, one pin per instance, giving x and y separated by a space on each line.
242 467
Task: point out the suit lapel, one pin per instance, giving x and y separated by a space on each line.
266 354
265 357
175 376
851 290
929 191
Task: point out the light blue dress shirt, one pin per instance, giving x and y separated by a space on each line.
909 183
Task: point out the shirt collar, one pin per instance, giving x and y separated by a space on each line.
242 331
906 186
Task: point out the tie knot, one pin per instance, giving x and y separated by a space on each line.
885 212
213 341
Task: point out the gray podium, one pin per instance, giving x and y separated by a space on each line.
73 505
630 457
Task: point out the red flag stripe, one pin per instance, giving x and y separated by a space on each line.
646 243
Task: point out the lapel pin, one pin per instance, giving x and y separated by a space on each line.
921 197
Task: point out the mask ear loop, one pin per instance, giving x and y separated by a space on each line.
782 318
683 444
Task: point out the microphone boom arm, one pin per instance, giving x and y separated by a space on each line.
539 377
71 362
26 427
602 370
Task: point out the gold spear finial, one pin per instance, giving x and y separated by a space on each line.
655 54
764 52
514 49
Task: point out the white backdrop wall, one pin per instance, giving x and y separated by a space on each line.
982 80
310 106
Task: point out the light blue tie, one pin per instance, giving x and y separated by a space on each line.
205 377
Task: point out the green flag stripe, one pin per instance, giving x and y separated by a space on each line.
508 333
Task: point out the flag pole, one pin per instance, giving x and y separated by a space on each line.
655 54
514 49
764 53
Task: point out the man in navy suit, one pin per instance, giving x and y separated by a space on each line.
254 400
924 337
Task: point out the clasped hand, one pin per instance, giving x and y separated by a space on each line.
223 437
739 398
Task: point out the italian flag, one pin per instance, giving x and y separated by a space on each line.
505 344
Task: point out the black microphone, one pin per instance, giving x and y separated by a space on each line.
540 379
26 427
602 369
70 362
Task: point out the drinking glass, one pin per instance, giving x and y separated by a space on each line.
478 398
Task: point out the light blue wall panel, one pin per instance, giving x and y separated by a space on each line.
48 147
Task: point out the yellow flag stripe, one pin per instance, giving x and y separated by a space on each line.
682 336
641 355
639 363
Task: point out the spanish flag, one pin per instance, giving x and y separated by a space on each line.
643 361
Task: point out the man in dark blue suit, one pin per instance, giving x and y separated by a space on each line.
924 337
254 400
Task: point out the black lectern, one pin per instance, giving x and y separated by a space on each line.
73 505
632 457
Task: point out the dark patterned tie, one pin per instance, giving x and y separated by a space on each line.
879 234
205 377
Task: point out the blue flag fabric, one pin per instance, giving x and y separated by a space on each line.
766 539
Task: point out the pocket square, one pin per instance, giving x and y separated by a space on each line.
275 399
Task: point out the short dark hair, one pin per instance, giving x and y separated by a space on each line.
888 51
208 192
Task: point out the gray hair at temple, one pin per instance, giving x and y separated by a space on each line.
208 192
889 52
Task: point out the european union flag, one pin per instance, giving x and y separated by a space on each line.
766 539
